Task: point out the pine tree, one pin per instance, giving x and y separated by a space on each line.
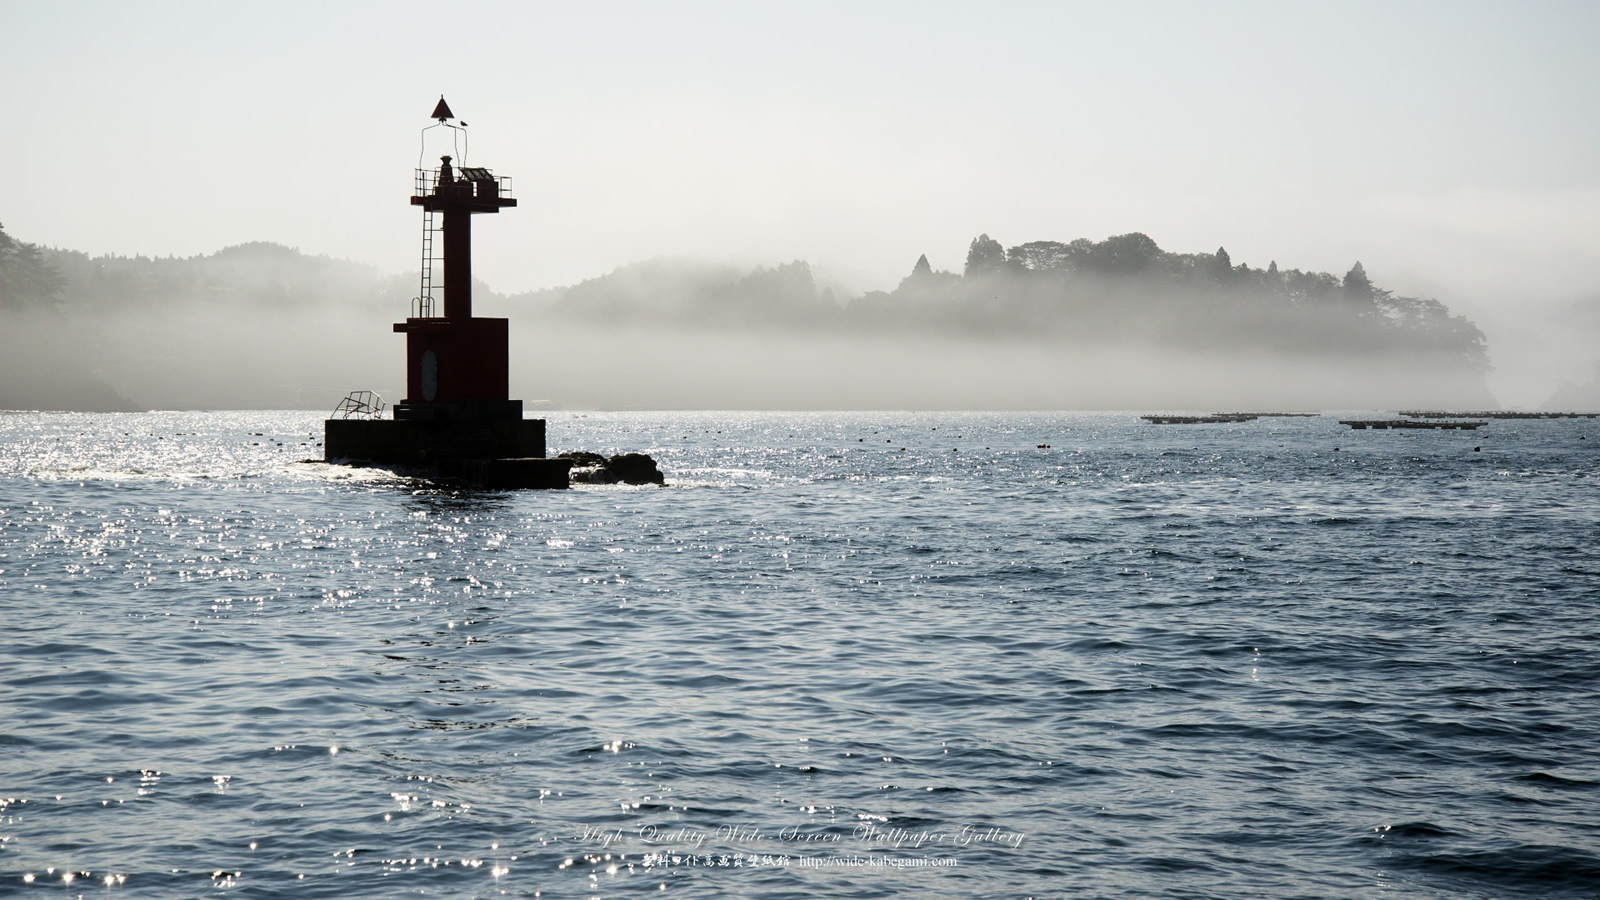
1221 265
984 256
26 280
1357 286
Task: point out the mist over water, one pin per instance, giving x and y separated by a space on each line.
667 369
1546 354
261 326
231 359
200 358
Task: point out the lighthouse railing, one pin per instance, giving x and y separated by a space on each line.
359 405
425 182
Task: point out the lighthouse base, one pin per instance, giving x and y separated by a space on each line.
508 474
485 443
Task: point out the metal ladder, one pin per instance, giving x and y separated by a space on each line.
422 304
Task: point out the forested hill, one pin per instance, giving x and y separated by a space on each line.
254 325
263 325
1122 290
258 275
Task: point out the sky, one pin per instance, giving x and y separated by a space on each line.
1449 146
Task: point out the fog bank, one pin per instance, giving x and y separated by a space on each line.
607 368
233 360
1116 324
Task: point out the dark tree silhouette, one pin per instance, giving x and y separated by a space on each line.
1222 266
1125 254
1042 256
921 278
1357 286
984 256
26 280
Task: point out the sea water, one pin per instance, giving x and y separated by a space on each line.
865 654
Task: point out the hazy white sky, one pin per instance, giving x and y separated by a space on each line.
1450 146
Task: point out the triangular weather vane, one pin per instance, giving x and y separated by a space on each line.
442 111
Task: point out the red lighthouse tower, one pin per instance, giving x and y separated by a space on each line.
456 357
457 415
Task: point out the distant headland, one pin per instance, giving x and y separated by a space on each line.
1042 324
1120 290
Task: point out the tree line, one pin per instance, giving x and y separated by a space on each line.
27 279
1127 286
1121 290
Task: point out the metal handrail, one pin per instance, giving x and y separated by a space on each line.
359 405
425 182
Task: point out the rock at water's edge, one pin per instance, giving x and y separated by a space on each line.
635 468
628 468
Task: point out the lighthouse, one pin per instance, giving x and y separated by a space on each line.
457 417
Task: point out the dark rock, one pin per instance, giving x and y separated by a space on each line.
594 475
627 468
635 468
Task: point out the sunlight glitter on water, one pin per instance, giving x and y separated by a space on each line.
958 651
